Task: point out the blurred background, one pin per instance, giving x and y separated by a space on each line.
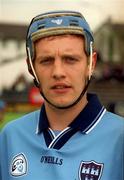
18 95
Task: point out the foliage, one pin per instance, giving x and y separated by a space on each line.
9 116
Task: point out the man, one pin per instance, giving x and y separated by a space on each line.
72 137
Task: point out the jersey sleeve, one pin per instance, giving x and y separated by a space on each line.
0 173
0 158
3 156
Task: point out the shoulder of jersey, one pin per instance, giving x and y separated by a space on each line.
115 120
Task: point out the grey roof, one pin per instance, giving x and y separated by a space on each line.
118 29
13 31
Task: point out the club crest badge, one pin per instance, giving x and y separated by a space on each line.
90 170
18 165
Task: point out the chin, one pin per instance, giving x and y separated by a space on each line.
61 103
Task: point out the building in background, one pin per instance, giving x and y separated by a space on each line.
12 42
20 95
109 74
109 40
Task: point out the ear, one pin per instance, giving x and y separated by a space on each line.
94 58
92 63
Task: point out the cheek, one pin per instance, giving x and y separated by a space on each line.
39 72
78 80
82 73
81 78
40 75
43 81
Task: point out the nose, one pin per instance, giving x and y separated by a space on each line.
58 71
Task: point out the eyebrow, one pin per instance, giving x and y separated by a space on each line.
64 56
43 57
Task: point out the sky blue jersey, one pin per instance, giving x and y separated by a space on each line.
90 148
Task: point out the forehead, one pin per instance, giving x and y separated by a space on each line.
63 38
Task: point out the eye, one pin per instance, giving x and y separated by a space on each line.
46 60
70 59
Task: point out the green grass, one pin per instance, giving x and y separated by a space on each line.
9 117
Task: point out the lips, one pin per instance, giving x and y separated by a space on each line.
60 86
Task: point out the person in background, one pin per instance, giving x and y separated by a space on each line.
72 136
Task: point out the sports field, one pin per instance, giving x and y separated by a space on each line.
9 117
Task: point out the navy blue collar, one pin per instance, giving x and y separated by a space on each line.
84 121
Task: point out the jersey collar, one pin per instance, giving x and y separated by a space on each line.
85 121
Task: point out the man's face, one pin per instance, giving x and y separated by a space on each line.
61 66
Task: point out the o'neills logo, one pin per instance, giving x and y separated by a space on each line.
51 160
90 170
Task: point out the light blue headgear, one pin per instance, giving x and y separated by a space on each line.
56 23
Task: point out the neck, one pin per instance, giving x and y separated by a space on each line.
59 119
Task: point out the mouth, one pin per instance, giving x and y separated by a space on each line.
61 88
